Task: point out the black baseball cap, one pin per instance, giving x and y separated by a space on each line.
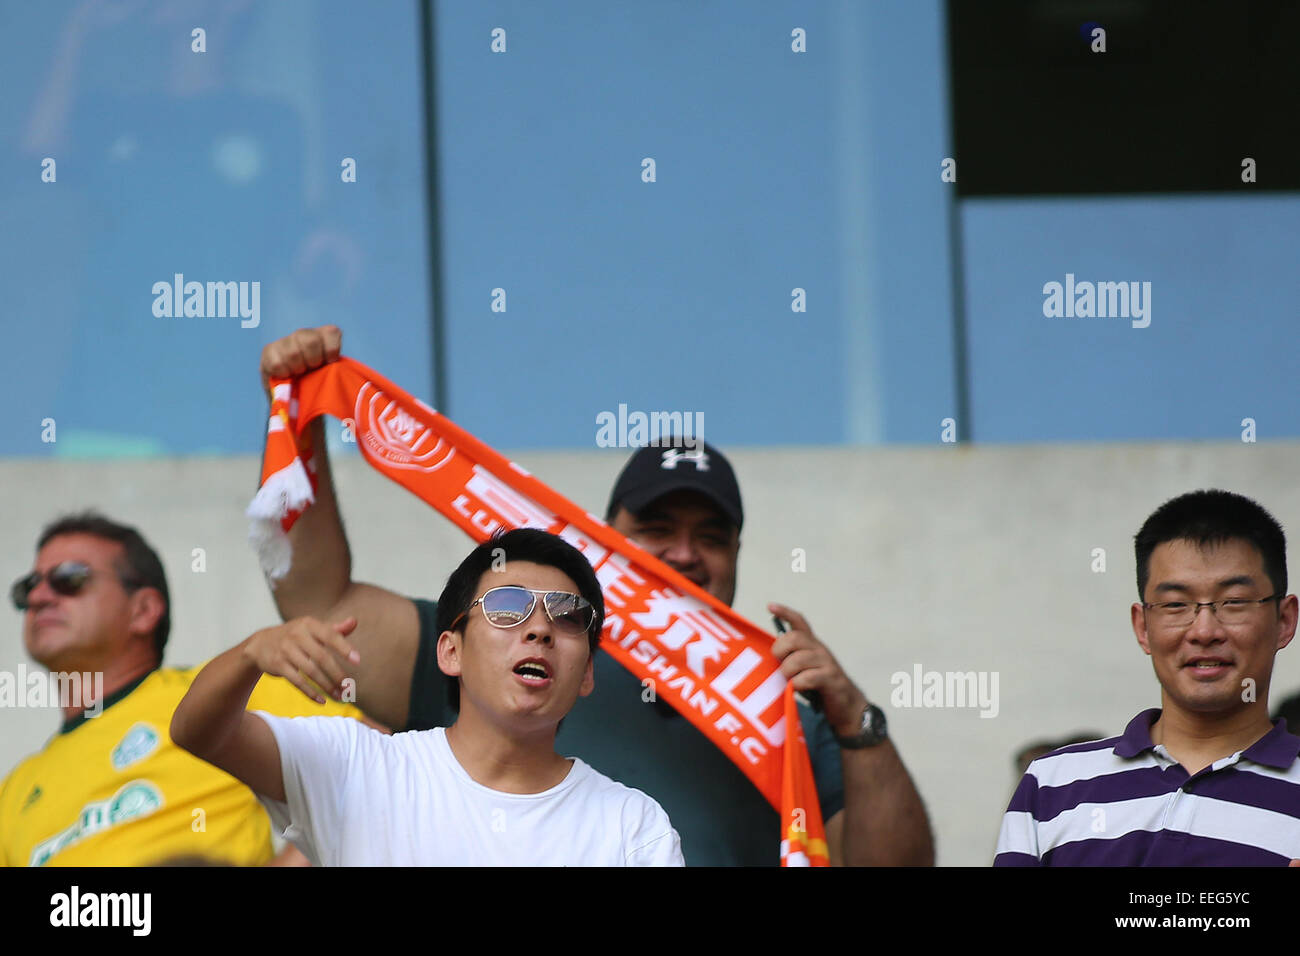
656 470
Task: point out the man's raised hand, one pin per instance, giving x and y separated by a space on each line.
300 352
309 653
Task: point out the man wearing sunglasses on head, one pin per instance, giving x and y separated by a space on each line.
518 624
1206 779
683 506
111 788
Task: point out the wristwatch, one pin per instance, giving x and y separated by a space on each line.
874 730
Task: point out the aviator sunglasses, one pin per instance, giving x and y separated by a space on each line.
511 605
67 579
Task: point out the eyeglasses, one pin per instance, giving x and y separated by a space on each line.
1229 612
67 579
511 605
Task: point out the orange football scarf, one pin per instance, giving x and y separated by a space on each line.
710 664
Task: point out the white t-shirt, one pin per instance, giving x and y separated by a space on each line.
357 797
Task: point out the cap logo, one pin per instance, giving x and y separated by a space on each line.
696 456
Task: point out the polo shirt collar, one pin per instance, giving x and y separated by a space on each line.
1277 748
72 723
1137 735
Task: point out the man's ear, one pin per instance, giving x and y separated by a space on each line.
588 677
147 609
449 653
1140 627
1288 612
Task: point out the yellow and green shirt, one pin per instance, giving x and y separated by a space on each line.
114 790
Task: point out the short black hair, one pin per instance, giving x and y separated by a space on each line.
1209 518
521 544
139 567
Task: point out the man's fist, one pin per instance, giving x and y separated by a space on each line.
300 352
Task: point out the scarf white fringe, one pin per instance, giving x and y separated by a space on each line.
286 491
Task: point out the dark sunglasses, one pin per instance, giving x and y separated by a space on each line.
511 605
67 579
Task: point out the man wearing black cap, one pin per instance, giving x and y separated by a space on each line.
683 505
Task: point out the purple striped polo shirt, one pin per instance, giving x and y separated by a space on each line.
1125 801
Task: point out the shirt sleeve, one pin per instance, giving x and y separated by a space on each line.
824 755
655 842
1018 838
314 755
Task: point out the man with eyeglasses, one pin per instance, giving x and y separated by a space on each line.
518 623
684 507
110 788
1206 779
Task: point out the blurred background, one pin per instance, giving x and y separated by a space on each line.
826 227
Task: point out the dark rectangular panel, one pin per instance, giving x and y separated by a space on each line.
1184 92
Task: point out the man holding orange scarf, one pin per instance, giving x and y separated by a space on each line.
521 618
874 814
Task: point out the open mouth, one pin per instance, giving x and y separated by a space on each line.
1207 668
533 671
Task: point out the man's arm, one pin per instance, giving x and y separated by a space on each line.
883 822
211 721
319 583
